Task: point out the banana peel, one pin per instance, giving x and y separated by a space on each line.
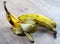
29 37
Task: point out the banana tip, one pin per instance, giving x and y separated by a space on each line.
55 34
32 41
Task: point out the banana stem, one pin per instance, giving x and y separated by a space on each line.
6 8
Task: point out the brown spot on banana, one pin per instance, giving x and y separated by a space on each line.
11 22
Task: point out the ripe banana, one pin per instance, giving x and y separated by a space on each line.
27 23
13 21
41 21
18 27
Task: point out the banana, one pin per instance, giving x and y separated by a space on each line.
13 20
27 23
18 27
40 20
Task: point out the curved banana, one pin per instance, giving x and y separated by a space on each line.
18 27
27 23
13 20
41 21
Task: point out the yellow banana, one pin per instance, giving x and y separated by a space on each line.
13 20
18 27
27 23
41 21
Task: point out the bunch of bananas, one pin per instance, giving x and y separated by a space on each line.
27 23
